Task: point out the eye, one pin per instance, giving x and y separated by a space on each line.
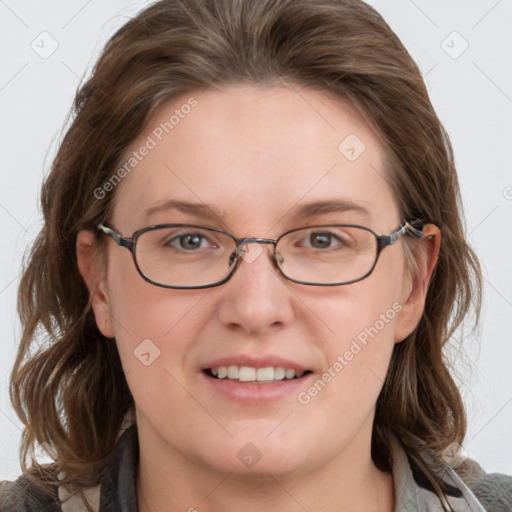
326 240
188 241
320 240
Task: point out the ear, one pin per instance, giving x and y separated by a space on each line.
90 267
416 284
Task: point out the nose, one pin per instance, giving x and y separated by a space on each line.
257 297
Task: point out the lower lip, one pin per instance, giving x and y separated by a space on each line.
258 392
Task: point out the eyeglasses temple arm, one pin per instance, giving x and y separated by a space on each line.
406 228
409 228
118 239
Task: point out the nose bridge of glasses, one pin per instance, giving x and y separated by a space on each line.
242 249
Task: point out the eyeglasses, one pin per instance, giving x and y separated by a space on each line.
186 256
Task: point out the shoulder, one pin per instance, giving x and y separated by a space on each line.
24 495
11 497
493 490
118 485
466 487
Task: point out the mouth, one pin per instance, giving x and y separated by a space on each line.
250 379
251 374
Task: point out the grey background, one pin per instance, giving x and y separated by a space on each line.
471 89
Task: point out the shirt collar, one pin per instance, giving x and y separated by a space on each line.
410 496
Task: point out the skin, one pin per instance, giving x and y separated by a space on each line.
254 155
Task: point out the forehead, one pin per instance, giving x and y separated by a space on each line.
254 156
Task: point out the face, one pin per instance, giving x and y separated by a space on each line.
255 157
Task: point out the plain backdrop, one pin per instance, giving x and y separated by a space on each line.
464 51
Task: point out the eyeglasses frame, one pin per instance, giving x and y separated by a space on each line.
414 228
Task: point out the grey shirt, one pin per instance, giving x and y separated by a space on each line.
117 490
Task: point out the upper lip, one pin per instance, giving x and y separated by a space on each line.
255 362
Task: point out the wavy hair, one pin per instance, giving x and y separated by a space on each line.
68 385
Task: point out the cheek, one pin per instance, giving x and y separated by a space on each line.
363 340
340 402
363 359
362 320
148 320
157 336
367 309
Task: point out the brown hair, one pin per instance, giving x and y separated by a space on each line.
71 392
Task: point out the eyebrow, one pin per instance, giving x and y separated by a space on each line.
305 211
198 209
329 206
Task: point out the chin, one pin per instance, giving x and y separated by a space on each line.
260 455
251 462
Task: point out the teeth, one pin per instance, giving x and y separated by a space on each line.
279 373
233 372
265 374
246 374
250 374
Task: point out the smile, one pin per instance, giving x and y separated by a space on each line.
252 374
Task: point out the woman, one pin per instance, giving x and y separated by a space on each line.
251 260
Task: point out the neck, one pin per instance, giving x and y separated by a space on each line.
168 481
